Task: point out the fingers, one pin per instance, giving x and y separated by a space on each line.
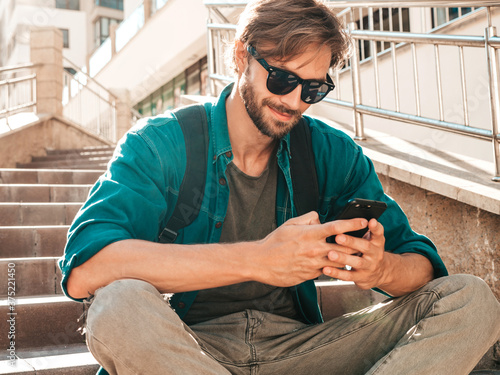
376 232
373 238
327 229
309 218
338 227
353 260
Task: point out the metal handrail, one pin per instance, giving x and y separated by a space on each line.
89 93
11 84
374 4
77 68
18 67
17 79
406 37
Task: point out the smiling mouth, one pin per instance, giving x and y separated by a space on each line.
282 116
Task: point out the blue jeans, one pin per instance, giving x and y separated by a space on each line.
443 328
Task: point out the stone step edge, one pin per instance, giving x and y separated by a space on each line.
84 159
84 149
55 359
77 166
95 164
40 204
38 300
31 170
72 157
49 185
18 227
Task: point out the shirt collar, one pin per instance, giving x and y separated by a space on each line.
220 133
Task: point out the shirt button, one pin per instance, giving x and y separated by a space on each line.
222 181
218 224
228 154
181 305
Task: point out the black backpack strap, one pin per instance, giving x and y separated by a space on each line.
303 169
193 122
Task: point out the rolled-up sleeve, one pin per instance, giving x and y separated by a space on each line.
349 174
129 201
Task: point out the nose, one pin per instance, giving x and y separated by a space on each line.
292 99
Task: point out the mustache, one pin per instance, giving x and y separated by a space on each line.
281 108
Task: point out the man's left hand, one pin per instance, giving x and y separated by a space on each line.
369 268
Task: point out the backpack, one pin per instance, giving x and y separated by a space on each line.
193 122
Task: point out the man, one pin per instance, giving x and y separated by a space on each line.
242 273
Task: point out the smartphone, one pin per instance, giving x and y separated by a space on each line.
362 208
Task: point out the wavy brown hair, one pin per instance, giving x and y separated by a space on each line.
283 29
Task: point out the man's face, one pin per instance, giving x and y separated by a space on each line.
275 115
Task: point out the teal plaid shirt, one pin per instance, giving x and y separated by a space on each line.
136 196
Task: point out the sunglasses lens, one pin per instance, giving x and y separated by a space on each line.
313 91
281 83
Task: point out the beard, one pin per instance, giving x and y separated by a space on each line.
270 127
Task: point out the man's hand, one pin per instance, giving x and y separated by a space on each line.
297 251
373 267
365 256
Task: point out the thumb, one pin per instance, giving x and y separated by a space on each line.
309 218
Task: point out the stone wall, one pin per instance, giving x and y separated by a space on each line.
18 146
467 238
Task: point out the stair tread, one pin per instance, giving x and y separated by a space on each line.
27 170
84 149
68 357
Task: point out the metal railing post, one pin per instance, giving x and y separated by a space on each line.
33 87
8 106
493 75
210 57
356 89
114 122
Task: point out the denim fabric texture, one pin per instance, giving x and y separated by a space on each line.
443 328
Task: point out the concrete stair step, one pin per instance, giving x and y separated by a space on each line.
34 241
43 193
18 214
48 176
30 277
76 156
79 167
40 322
77 150
92 163
61 360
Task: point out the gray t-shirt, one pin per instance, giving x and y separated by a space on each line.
251 215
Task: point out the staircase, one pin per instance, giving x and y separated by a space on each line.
38 202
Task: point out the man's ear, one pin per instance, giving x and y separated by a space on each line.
240 56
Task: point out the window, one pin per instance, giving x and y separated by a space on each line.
65 33
440 16
168 96
114 4
384 19
101 29
68 4
179 88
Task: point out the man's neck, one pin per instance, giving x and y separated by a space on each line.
251 148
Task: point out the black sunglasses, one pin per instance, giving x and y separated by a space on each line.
281 82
